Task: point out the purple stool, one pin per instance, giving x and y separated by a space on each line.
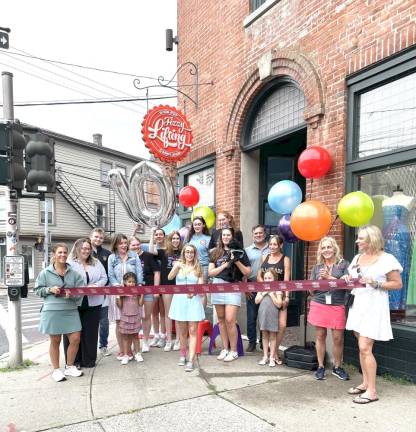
216 332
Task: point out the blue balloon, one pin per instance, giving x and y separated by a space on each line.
284 197
174 225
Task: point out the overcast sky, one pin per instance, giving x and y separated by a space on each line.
124 36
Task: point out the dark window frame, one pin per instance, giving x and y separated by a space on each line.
105 217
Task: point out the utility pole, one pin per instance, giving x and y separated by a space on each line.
14 333
46 233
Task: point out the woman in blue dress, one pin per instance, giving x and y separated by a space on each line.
187 309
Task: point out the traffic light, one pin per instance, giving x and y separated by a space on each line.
40 164
12 146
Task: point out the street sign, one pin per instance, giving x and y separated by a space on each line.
4 40
14 271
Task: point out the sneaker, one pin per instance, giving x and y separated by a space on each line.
340 373
120 356
138 357
272 362
231 356
154 341
168 347
176 345
162 342
182 361
58 376
72 371
145 346
130 355
320 373
125 360
189 367
263 361
105 351
223 354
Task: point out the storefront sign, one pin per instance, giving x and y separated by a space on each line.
167 133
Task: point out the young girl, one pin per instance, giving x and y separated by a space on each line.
130 319
187 309
270 303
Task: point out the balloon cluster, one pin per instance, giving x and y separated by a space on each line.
312 220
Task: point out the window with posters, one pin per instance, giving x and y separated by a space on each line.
200 175
382 163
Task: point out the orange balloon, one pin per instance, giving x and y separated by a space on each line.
310 220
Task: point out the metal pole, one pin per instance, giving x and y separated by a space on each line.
14 333
46 234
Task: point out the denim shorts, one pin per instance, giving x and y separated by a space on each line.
148 297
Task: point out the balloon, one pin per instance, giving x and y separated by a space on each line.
206 213
173 225
311 220
314 162
184 231
355 209
285 231
189 196
284 196
132 193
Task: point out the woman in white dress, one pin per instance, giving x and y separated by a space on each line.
369 315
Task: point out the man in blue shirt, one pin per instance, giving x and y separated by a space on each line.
255 252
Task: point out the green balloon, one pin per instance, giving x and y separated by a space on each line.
207 213
355 209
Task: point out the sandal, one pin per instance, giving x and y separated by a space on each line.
263 361
279 361
362 400
356 391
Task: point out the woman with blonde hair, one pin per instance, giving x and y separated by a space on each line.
59 314
187 309
369 315
327 310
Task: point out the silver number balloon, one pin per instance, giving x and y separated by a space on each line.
132 194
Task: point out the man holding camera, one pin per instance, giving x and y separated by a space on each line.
255 253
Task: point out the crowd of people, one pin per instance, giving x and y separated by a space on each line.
219 257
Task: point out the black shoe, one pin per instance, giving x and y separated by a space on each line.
251 347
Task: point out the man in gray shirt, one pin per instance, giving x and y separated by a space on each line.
255 253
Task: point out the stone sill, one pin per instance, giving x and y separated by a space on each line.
259 12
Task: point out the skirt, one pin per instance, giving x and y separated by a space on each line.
327 316
58 322
233 299
184 308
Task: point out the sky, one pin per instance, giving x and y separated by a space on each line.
124 36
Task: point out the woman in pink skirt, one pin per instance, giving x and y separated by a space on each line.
130 319
327 310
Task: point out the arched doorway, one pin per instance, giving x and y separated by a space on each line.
273 136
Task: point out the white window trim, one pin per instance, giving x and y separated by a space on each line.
53 211
259 12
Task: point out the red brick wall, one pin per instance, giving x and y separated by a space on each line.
317 42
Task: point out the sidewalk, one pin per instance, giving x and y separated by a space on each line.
154 395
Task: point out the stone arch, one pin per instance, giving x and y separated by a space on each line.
287 63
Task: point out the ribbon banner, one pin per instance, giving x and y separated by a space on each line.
300 285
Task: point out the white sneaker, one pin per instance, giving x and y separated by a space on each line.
182 361
189 367
58 376
120 356
168 347
154 341
161 342
125 360
138 357
272 362
105 352
145 346
176 345
223 354
231 356
72 371
263 361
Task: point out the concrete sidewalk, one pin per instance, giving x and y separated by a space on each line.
158 394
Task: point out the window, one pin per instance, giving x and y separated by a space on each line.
203 181
382 163
101 215
255 4
50 208
105 168
27 251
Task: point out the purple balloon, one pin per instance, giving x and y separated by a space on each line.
184 231
285 231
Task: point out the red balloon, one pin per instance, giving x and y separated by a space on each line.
189 196
314 162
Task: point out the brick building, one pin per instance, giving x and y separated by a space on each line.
278 76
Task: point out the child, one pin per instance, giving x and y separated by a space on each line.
130 320
270 303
